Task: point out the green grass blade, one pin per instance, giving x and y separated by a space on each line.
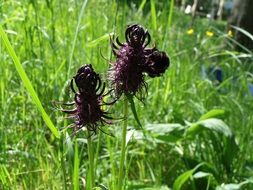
169 22
75 37
245 32
99 40
27 83
153 14
184 177
142 5
76 168
214 113
132 105
170 13
4 175
57 72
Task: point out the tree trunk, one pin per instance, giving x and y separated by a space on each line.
214 9
220 10
242 16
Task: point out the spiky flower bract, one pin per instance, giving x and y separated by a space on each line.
88 100
133 60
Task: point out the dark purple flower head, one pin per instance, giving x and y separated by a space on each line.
157 63
134 60
88 101
126 73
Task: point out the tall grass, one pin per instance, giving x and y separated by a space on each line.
27 82
198 132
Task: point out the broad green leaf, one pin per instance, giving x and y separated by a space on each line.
182 179
179 182
215 113
166 132
207 168
230 151
214 125
162 128
168 138
233 186
27 83
201 174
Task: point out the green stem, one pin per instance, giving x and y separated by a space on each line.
97 150
91 161
123 146
111 154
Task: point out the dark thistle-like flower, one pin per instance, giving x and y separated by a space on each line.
88 100
126 73
133 59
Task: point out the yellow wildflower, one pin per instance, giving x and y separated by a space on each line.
230 33
190 31
209 33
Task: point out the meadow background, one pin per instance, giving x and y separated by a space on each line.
198 131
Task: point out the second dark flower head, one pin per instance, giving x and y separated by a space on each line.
88 101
